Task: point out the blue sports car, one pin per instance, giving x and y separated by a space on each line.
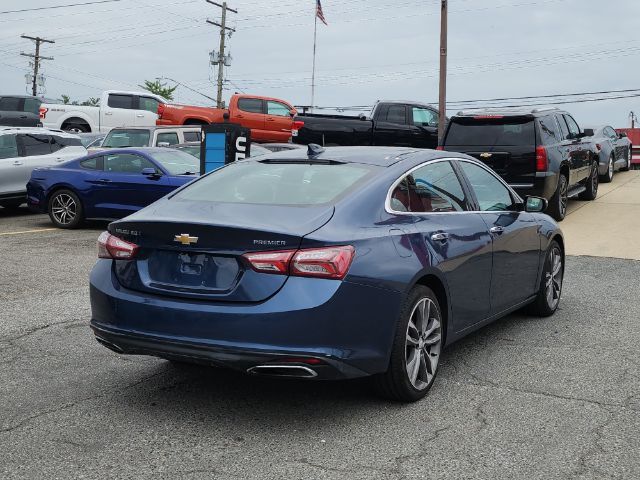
109 184
349 262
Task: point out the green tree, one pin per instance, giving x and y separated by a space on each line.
159 88
91 102
66 99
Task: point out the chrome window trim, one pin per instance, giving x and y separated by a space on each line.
387 203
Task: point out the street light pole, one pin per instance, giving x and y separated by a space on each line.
442 103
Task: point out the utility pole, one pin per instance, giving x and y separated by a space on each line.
222 59
36 60
442 103
633 118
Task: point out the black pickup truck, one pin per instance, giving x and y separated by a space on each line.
392 123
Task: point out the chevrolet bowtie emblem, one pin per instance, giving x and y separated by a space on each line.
185 239
486 155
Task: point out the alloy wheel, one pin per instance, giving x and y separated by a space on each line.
423 343
610 169
564 195
595 181
553 277
64 208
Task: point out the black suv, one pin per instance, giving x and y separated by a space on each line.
20 111
539 152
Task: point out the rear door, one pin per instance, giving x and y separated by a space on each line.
146 112
19 112
392 128
278 121
250 113
37 152
425 127
10 165
578 151
119 112
506 144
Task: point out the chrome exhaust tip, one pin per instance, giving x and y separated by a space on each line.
292 371
109 345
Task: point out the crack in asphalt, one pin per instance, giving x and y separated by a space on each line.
37 329
583 467
400 460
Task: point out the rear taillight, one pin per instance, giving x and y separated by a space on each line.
440 147
43 112
598 147
112 247
542 162
160 109
326 262
297 125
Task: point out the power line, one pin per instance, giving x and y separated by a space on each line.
58 6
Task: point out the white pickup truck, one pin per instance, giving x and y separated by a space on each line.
116 109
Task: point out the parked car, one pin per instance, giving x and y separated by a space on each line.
108 185
117 109
614 151
91 140
346 263
22 150
404 124
151 136
270 119
540 152
19 111
279 147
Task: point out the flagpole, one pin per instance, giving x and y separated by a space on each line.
313 72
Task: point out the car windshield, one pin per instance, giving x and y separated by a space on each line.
127 138
177 162
276 183
480 131
190 149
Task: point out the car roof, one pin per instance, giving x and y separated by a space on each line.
409 102
37 130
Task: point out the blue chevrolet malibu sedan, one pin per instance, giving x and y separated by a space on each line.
326 264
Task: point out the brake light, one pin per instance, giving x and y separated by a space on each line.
43 112
440 148
598 147
325 262
160 109
297 125
112 247
542 162
481 117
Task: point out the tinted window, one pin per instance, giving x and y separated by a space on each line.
177 162
432 188
36 144
168 137
276 184
487 132
278 109
31 105
8 104
491 193
192 136
574 130
548 130
149 104
252 105
94 163
126 163
8 146
120 101
127 138
397 114
424 117
563 126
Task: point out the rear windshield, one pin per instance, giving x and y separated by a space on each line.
127 138
508 131
276 184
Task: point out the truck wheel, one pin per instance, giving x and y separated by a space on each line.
558 204
591 184
76 128
607 177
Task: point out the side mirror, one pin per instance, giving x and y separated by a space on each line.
535 205
588 132
150 172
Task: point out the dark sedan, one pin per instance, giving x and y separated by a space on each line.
614 151
109 184
342 263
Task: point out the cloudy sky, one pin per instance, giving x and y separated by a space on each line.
371 49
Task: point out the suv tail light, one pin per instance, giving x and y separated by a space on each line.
112 247
42 112
160 109
542 162
325 262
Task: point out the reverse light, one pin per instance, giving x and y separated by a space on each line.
42 112
542 162
114 248
325 262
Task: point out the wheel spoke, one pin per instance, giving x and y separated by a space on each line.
413 366
433 339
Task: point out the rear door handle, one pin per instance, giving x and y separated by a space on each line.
140 115
440 237
104 180
496 230
108 113
18 162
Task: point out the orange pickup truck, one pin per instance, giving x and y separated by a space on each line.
270 119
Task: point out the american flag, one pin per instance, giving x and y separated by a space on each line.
319 13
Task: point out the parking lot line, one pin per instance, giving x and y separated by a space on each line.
28 231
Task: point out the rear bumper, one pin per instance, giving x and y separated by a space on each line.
348 326
36 198
544 185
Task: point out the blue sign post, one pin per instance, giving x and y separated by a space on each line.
223 143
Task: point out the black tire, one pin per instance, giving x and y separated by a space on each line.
76 128
12 204
542 305
558 204
628 164
607 177
591 184
65 209
424 347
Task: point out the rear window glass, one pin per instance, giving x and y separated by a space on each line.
489 132
192 136
126 138
276 184
9 104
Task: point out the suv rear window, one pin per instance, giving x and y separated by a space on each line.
127 138
504 131
276 183
10 104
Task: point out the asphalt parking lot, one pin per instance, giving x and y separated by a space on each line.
530 398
